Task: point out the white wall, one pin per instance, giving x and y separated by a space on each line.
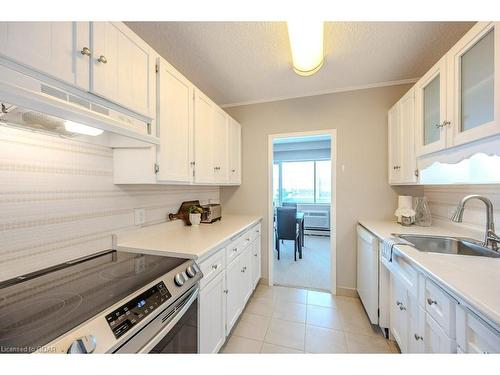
58 200
360 118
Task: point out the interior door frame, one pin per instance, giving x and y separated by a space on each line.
333 199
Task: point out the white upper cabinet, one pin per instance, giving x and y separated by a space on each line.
234 152
430 110
203 137
474 89
122 66
217 144
458 100
220 145
175 124
407 134
394 145
402 160
108 63
60 50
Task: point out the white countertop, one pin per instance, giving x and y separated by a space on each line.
473 280
178 240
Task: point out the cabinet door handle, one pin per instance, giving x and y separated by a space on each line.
443 124
402 308
215 266
85 51
235 249
431 302
417 337
226 291
255 255
398 303
102 59
233 170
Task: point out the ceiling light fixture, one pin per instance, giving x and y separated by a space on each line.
306 43
75 127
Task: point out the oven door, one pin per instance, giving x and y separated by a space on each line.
175 330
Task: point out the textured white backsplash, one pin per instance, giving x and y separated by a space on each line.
58 200
443 201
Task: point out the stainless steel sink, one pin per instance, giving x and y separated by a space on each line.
448 245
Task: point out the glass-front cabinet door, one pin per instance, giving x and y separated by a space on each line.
430 110
474 84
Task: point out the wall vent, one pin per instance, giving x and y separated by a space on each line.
79 101
54 92
99 109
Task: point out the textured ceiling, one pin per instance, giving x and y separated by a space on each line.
238 62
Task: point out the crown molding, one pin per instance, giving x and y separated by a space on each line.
324 92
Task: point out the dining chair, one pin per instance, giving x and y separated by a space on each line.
286 228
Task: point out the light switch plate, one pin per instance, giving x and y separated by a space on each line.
139 216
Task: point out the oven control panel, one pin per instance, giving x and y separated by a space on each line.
135 310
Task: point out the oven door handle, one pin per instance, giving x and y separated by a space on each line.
173 320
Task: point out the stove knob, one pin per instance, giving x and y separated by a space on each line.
83 345
191 271
179 279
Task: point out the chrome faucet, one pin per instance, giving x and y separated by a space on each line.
491 239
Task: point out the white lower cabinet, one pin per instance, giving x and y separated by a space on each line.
433 337
473 336
426 319
234 305
399 317
256 267
213 315
411 322
229 279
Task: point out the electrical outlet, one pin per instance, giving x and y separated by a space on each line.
139 216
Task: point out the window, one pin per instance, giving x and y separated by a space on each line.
276 185
302 181
297 181
323 181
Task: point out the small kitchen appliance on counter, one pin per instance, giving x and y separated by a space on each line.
211 213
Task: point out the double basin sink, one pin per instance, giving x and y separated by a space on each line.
448 245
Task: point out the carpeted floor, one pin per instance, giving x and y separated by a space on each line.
312 271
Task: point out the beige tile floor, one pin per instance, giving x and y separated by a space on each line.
290 320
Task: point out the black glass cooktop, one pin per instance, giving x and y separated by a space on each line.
40 309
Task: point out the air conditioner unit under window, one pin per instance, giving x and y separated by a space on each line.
317 220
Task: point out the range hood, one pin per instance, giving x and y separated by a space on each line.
27 102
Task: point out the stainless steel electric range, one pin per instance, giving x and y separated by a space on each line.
111 302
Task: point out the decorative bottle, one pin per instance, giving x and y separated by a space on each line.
423 216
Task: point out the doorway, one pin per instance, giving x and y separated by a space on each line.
302 210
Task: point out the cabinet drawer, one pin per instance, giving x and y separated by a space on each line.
440 306
235 248
255 232
406 273
474 336
211 267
